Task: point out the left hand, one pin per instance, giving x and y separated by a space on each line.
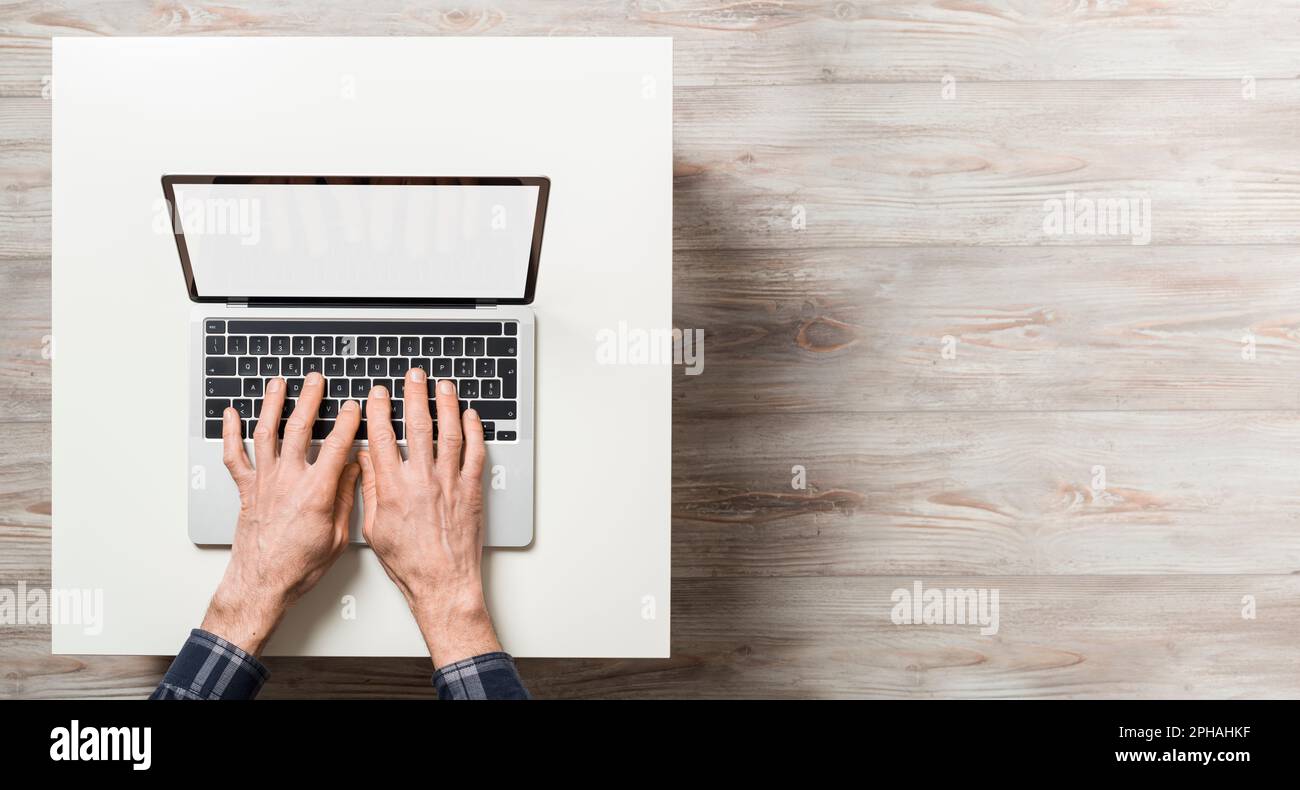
293 516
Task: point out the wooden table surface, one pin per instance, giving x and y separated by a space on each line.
1107 433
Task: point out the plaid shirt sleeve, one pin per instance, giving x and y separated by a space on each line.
489 676
209 667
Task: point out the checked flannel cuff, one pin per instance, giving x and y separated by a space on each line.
209 667
489 676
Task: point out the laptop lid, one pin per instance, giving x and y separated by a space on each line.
373 240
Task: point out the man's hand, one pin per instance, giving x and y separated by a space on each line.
293 516
424 516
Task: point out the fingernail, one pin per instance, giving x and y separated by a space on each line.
378 392
313 377
350 405
274 385
417 374
470 413
445 387
229 412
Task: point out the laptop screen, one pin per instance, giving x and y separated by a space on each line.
382 239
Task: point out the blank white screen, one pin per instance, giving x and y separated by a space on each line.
369 241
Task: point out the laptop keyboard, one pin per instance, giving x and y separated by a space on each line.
241 356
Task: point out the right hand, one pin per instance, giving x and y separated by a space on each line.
424 516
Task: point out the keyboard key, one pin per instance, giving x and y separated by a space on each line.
357 366
375 366
367 346
488 425
216 345
329 409
451 346
464 368
213 326
501 347
215 407
338 388
313 365
324 346
441 368
495 409
302 345
292 366
512 328
220 366
345 346
252 388
361 433
270 366
236 346
212 429
432 346
485 368
223 388
280 345
333 366
410 346
287 408
399 430
473 346
294 387
245 407
399 385
422 363
506 436
321 428
360 388
397 367
469 388
395 413
491 388
248 366
259 345
506 370
388 346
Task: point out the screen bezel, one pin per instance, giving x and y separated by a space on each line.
542 183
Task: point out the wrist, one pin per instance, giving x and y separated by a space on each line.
245 619
455 628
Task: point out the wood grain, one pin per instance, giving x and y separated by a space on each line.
1147 637
896 164
1044 328
751 42
987 493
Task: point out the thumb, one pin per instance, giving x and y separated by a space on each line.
369 500
344 499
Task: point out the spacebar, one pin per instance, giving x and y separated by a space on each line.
365 327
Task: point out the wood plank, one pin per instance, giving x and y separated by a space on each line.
1088 637
884 165
751 42
25 341
987 493
1031 328
24 177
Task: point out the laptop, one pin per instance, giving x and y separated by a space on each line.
360 278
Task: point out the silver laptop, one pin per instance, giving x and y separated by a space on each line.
360 279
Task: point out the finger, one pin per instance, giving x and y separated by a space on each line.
266 439
334 451
449 432
344 499
232 449
369 499
419 423
379 430
297 432
475 451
